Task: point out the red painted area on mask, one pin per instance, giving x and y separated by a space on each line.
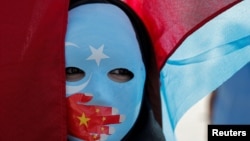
89 122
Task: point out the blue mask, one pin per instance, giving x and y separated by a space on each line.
105 73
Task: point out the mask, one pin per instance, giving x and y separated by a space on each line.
105 73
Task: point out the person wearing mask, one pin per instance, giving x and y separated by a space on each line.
112 81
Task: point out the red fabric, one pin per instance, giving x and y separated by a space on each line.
171 21
32 103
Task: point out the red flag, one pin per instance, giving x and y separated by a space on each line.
170 21
32 103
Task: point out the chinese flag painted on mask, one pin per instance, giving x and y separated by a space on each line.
169 22
32 94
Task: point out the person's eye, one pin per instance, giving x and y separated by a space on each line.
74 74
120 75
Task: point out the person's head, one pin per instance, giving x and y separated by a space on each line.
106 66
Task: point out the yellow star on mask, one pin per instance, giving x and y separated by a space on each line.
103 118
97 110
83 120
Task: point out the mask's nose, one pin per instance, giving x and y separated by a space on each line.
101 87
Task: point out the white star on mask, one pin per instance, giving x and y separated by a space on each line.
97 54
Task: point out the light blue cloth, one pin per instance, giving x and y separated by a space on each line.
205 60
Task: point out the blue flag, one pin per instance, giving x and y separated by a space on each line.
205 60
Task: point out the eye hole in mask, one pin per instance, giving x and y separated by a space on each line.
74 74
120 75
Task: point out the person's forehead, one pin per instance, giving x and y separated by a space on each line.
99 25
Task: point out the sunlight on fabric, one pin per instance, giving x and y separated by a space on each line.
193 124
205 60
